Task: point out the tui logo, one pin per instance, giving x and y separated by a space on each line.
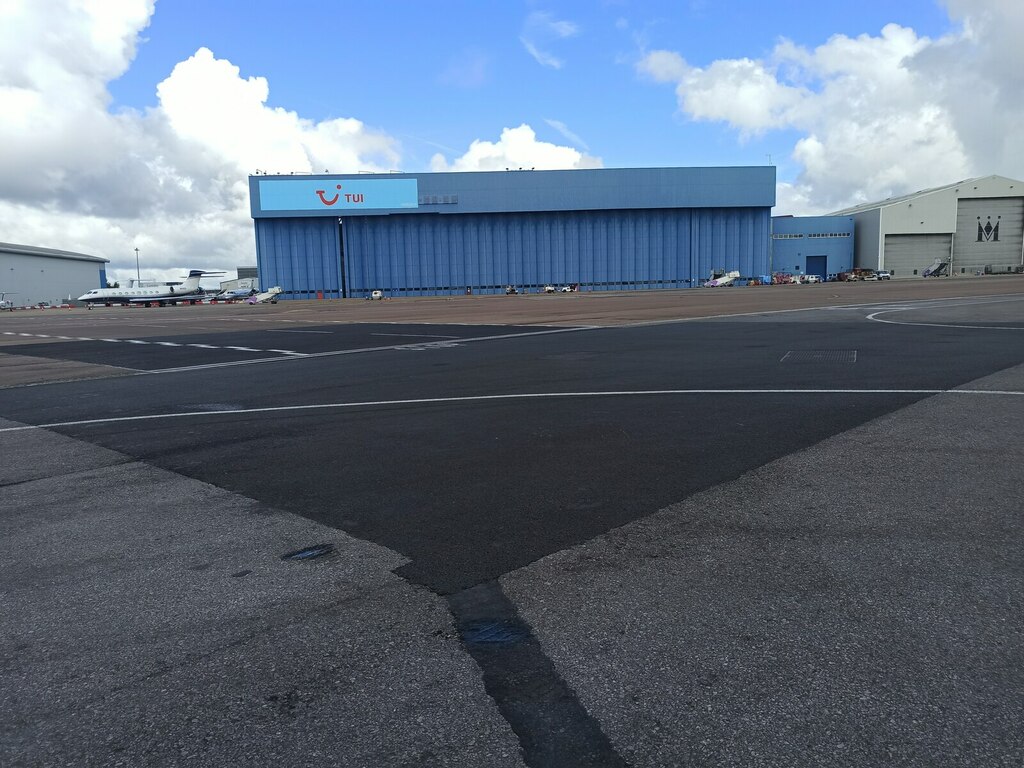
988 233
350 197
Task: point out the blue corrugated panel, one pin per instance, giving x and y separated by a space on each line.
613 250
300 255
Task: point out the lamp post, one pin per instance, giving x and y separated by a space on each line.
138 275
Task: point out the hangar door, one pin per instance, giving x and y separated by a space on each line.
909 255
988 231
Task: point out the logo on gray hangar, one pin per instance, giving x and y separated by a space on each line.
988 233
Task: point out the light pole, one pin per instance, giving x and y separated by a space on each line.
138 275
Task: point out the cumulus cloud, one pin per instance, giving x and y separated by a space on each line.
517 148
542 29
877 115
171 181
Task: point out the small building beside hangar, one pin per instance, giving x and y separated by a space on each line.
812 245
37 274
976 225
424 234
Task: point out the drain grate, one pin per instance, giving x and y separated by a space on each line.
820 356
309 553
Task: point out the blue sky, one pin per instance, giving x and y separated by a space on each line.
135 124
439 75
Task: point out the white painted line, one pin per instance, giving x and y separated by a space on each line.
112 341
996 297
523 396
363 350
202 346
285 351
875 316
136 341
243 349
291 330
168 343
416 335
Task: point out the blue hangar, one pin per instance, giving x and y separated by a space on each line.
432 234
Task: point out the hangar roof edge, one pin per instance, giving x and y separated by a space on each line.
518 191
864 207
51 253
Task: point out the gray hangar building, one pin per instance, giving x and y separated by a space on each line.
37 274
975 225
430 234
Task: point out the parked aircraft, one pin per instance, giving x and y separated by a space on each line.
168 293
270 296
719 279
6 303
235 295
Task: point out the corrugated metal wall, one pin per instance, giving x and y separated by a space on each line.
410 255
300 255
911 255
989 231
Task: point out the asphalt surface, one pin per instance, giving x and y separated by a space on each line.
772 539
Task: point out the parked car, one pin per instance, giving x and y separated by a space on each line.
872 276
884 274
549 289
812 279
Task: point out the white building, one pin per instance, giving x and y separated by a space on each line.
976 225
35 274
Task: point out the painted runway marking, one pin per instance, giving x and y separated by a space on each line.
364 350
914 304
290 330
416 335
874 316
508 397
160 344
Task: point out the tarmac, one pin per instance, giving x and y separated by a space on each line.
766 526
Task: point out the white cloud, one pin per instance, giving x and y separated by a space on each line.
171 181
517 148
877 115
541 57
540 28
563 129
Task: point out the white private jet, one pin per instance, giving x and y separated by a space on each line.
6 303
161 295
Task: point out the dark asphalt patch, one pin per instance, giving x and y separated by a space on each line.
470 491
553 727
